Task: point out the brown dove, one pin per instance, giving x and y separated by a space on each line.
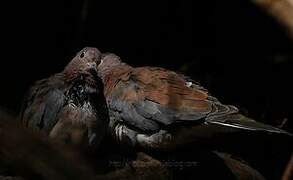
69 106
155 108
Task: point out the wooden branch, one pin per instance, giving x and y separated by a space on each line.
288 174
282 10
240 169
144 167
32 155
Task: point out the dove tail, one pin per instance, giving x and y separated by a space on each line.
241 122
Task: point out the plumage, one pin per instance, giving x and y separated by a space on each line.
62 105
154 107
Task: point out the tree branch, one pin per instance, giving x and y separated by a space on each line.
29 154
282 10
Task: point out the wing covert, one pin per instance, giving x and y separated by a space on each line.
41 107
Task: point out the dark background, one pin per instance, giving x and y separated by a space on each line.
243 56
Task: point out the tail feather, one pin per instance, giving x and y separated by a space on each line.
242 122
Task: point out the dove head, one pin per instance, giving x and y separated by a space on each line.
85 59
107 62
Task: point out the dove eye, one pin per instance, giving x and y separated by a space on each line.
82 55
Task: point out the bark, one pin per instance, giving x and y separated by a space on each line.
31 155
282 10
288 173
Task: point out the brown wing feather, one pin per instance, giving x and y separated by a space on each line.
146 102
149 97
169 89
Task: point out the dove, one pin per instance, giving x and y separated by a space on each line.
158 109
69 106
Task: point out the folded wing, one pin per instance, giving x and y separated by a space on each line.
149 99
41 106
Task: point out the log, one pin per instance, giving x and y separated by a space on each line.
288 173
281 10
32 155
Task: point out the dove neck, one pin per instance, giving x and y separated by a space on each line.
105 69
72 72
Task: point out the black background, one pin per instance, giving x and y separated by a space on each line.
243 56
